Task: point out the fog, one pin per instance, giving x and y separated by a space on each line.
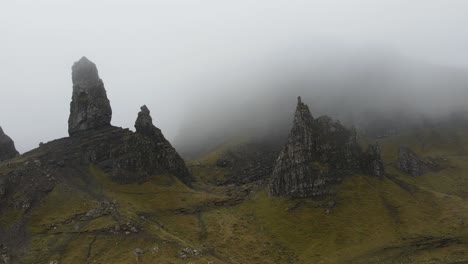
213 70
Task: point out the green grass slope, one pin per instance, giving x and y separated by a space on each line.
395 219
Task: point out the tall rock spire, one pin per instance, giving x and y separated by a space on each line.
89 108
7 147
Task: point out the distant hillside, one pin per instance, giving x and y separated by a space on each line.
379 95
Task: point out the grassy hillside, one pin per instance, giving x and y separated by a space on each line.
396 219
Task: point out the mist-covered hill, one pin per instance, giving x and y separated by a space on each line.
376 92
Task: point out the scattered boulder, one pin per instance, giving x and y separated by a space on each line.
7 147
89 108
138 252
318 153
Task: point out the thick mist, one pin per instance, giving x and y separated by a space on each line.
211 71
375 92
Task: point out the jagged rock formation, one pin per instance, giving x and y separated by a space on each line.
152 151
95 149
128 156
319 152
409 162
89 108
372 162
7 147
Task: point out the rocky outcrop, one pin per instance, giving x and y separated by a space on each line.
127 156
89 108
319 152
371 161
151 152
7 147
409 162
144 125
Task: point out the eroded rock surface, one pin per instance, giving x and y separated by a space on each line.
89 108
319 152
7 147
409 162
372 162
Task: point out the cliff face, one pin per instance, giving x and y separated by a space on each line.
7 147
318 154
89 108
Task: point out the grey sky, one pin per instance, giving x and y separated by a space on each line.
166 54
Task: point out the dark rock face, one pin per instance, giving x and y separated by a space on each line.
371 162
319 152
7 147
144 125
409 162
90 108
152 151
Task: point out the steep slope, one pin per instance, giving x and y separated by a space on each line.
396 218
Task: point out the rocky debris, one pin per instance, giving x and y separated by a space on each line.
106 208
138 252
4 255
185 252
7 147
319 153
409 162
372 162
89 108
54 262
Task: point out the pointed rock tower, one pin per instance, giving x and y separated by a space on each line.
89 108
319 152
7 147
153 152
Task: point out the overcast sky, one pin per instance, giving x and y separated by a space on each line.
165 54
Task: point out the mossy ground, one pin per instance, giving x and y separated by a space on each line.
393 219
